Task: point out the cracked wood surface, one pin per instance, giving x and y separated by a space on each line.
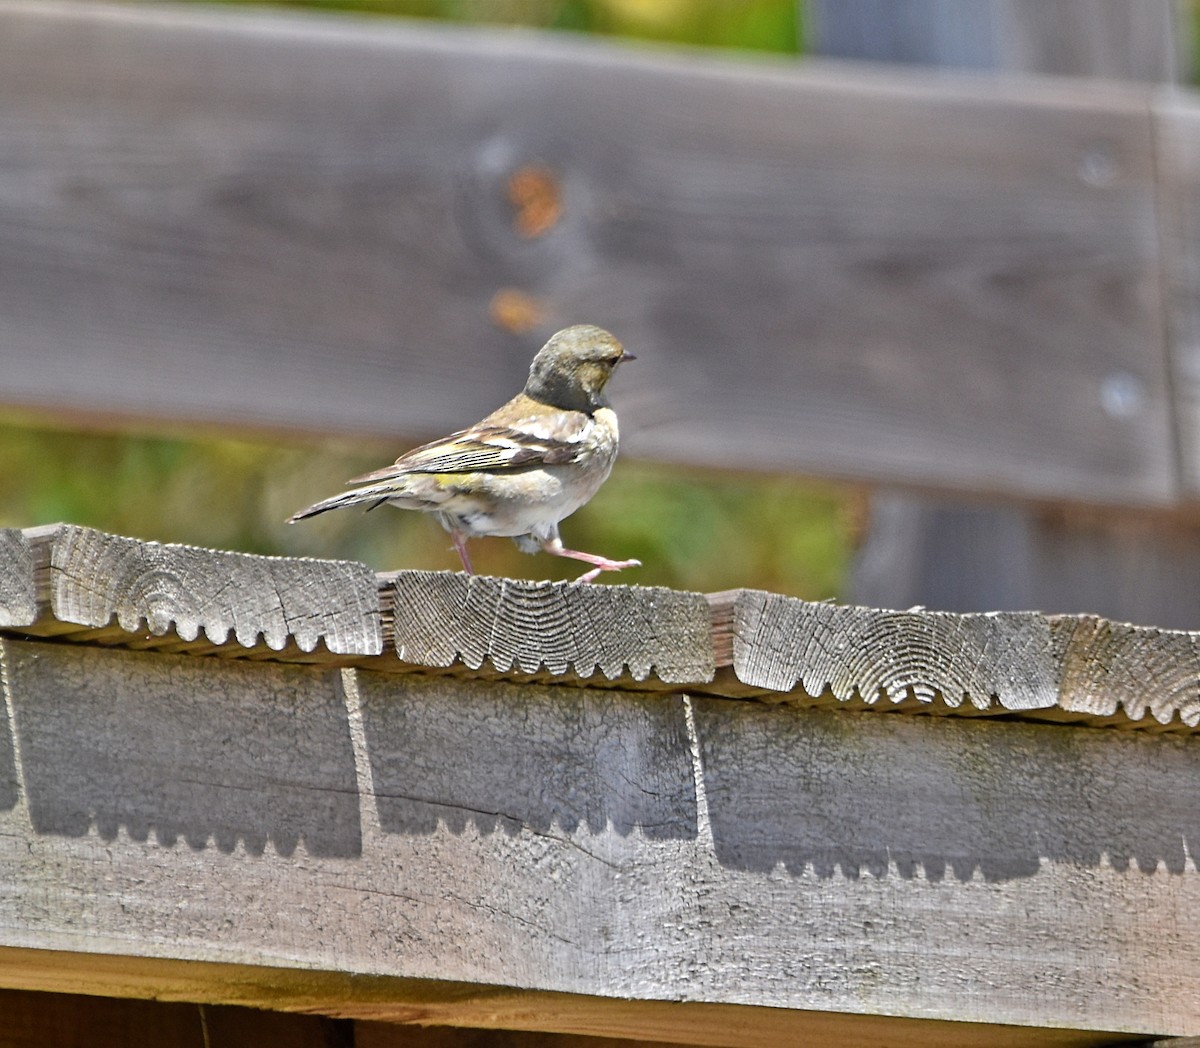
84 586
437 619
18 588
108 589
1026 664
611 849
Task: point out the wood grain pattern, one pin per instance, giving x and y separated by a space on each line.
1052 667
106 591
127 591
291 222
724 1026
485 1016
18 591
415 849
438 619
1151 676
891 658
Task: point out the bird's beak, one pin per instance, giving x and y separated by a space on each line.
626 355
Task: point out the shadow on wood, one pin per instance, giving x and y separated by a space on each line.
189 756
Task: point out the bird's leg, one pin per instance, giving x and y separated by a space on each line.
460 544
554 546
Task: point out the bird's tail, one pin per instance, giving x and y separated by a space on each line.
375 495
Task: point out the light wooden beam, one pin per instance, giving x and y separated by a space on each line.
591 810
630 634
91 588
358 839
107 588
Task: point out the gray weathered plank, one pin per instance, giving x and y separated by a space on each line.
977 556
18 591
105 590
1146 41
475 841
969 556
1178 131
127 591
1150 676
260 211
439 619
1005 661
1033 665
1109 38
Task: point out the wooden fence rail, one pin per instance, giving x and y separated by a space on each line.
95 588
427 798
973 283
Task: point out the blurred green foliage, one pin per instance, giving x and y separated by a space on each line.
752 25
694 530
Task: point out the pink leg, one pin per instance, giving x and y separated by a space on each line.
555 547
460 544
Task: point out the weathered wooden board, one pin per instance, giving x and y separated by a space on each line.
1150 676
977 555
767 1027
1109 38
967 556
440 619
574 841
1024 663
295 222
18 591
98 589
503 1018
1178 130
126 591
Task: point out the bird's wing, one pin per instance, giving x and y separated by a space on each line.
483 448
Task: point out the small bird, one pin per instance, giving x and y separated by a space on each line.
524 468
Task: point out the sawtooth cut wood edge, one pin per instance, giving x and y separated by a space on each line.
1024 664
560 631
1131 676
106 589
77 584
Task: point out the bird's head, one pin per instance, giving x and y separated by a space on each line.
572 369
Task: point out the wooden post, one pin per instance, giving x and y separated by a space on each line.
948 553
1109 38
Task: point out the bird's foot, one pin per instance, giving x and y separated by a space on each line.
599 564
555 547
604 564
